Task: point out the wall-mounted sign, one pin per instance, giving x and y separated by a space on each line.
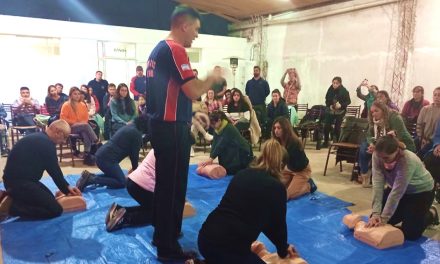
119 50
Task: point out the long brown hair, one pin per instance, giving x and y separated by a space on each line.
288 136
386 111
272 158
71 102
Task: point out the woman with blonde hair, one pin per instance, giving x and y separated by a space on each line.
254 202
296 175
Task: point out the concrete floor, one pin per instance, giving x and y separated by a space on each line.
336 183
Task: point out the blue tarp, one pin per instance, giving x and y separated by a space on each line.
314 226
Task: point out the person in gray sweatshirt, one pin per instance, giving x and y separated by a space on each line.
403 190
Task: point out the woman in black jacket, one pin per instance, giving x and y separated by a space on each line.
254 202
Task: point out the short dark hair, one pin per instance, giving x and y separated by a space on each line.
111 85
181 12
217 115
98 71
59 84
195 70
24 88
337 78
387 144
139 68
257 67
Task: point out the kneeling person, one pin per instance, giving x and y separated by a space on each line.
30 157
126 142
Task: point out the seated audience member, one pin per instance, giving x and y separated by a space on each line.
382 121
411 109
111 91
402 190
30 198
64 97
75 113
140 186
383 96
125 143
95 99
432 161
254 202
296 176
337 99
227 100
428 117
200 120
24 110
212 103
54 102
4 150
369 98
233 151
122 107
93 116
276 108
239 111
291 88
142 105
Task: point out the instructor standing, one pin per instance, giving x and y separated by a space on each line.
171 85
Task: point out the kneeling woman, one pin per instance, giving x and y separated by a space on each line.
296 176
408 192
233 151
125 143
254 202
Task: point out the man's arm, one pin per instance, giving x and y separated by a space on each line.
194 88
133 87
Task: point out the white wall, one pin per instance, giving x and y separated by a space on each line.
26 59
354 45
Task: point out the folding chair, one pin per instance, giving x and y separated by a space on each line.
353 132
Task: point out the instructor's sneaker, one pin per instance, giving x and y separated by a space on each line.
116 219
313 186
83 181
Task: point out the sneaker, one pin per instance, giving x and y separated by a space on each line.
313 186
116 220
179 255
325 144
89 159
111 212
434 212
83 181
192 154
5 152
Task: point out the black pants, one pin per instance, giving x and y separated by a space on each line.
413 212
171 143
32 200
331 119
432 164
217 255
142 214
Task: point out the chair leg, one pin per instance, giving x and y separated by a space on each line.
326 162
340 166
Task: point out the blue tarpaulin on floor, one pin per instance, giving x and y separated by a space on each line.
314 226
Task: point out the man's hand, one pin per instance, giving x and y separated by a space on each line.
204 163
73 191
374 221
291 252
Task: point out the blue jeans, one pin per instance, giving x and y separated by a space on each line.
112 177
364 157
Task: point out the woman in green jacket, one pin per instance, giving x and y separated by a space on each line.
382 121
233 151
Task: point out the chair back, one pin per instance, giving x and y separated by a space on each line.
354 111
302 110
414 127
353 130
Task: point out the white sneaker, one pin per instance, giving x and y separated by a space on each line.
191 154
